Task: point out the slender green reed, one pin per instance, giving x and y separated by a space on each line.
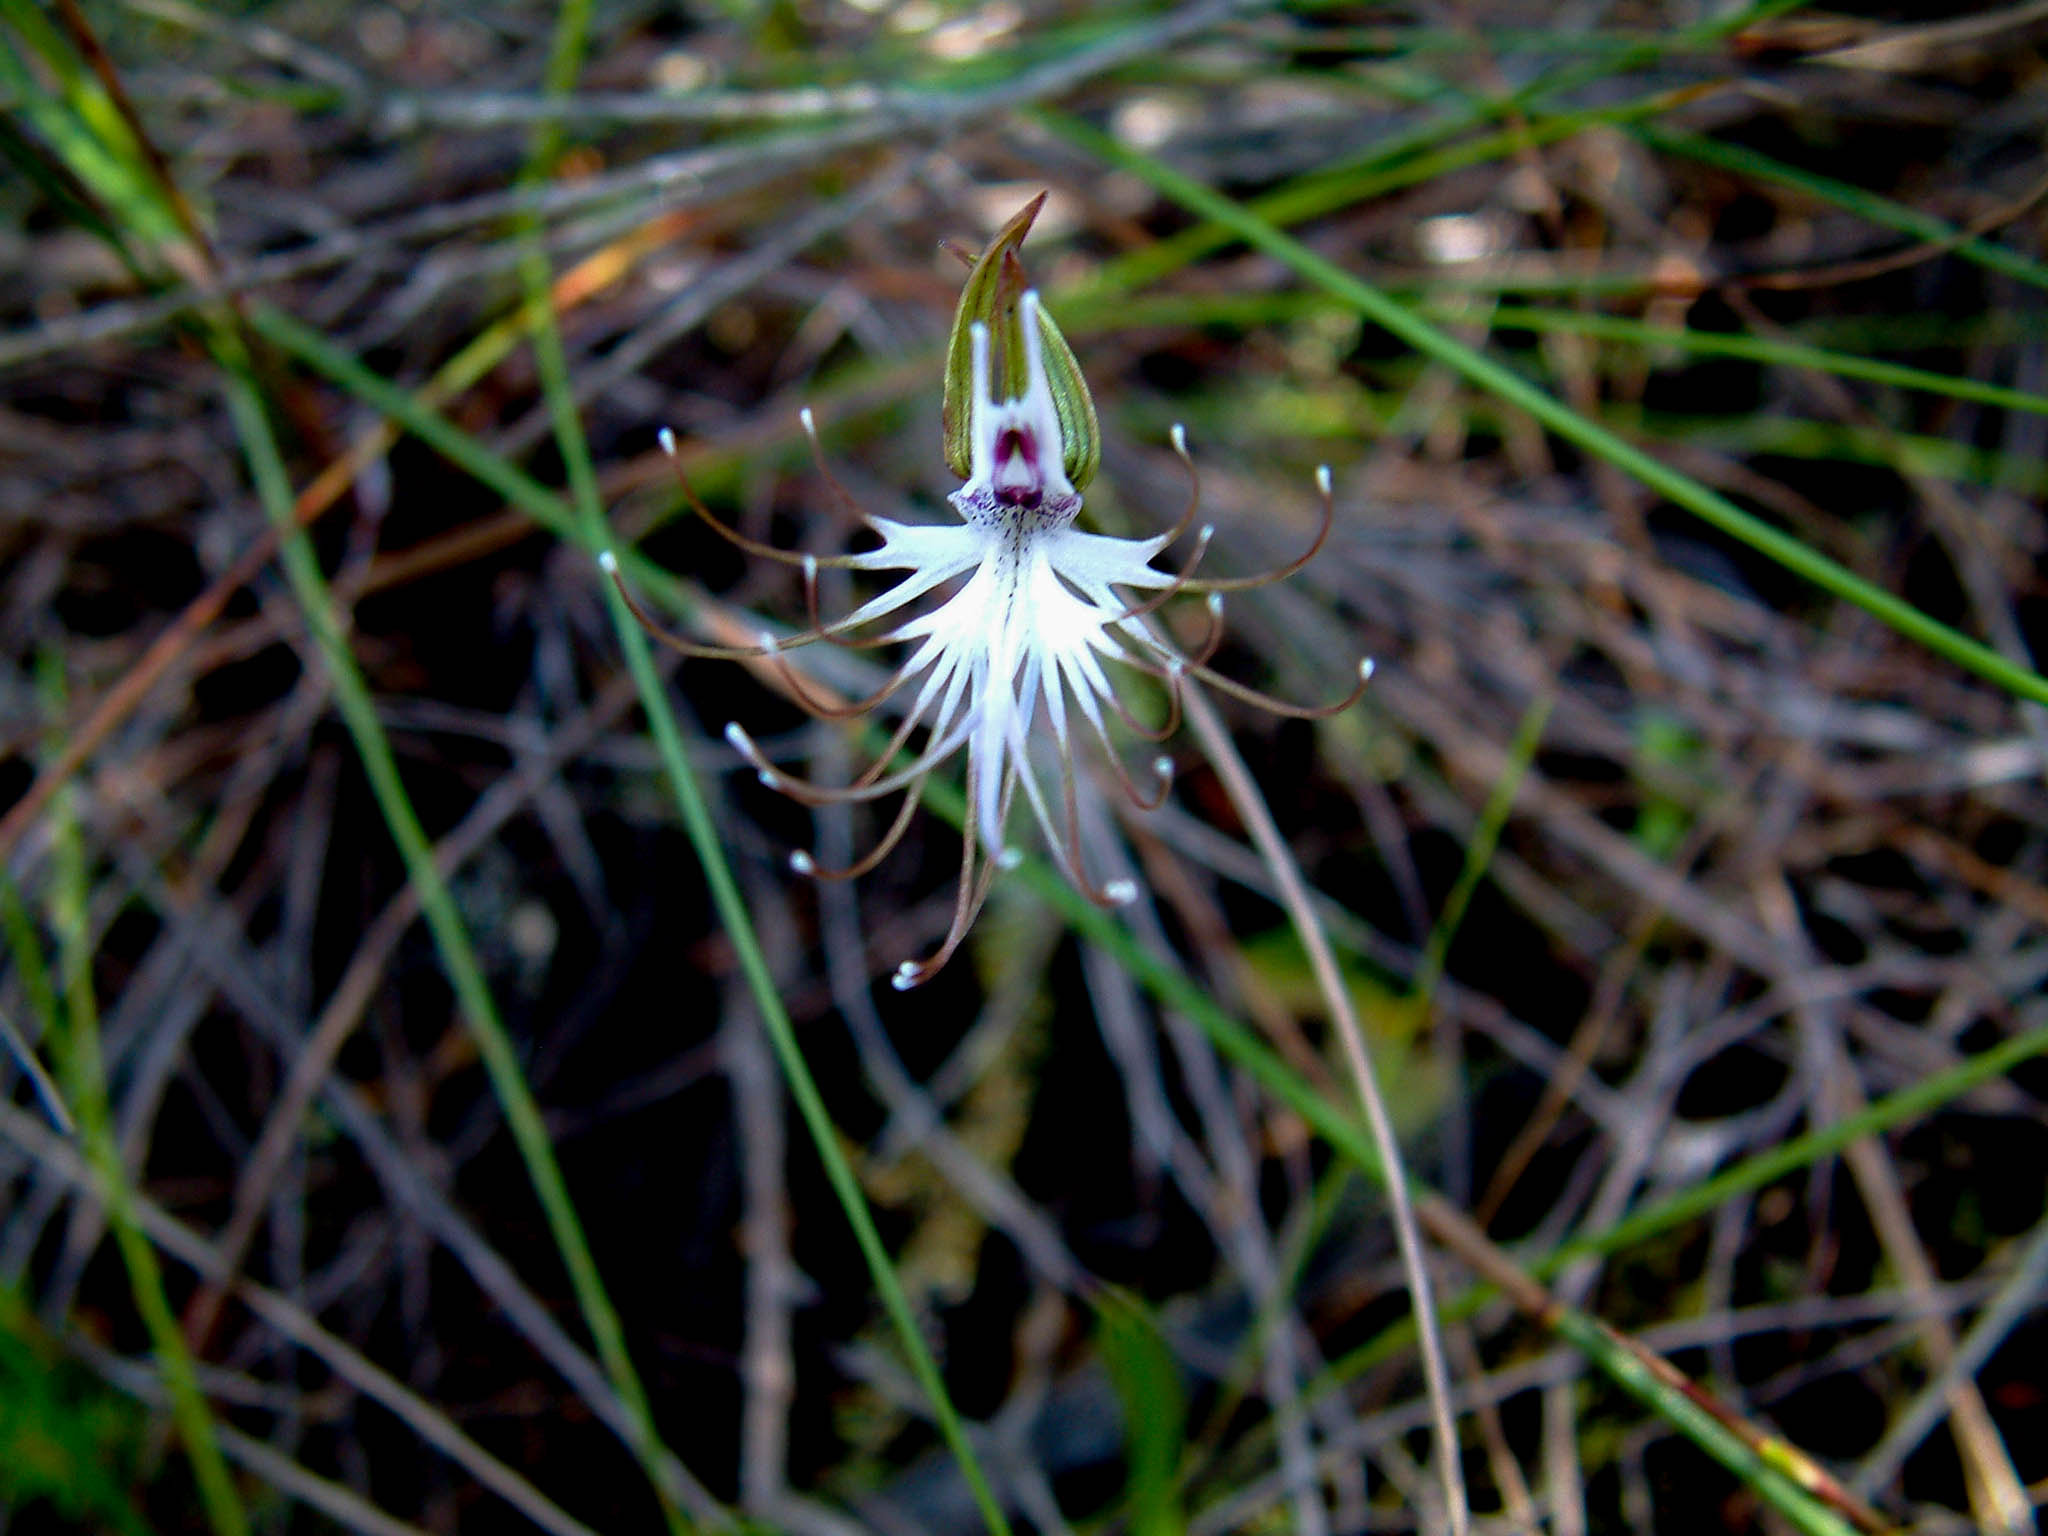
588 514
85 1084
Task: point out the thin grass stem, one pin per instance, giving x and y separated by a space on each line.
1493 816
1619 1360
85 1075
437 906
564 63
1293 892
1938 236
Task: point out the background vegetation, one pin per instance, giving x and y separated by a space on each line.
432 1103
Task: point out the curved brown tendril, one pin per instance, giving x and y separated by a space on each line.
1181 580
1176 666
1171 678
675 642
730 534
840 493
1162 773
835 633
1178 437
1212 641
1171 659
827 709
1172 589
902 734
1282 572
804 864
1066 852
969 897
1275 706
1116 893
772 646
806 793
1162 765
966 908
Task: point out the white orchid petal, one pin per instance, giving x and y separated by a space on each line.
1095 558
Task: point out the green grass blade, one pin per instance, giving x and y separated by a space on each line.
83 128
437 904
1710 506
563 65
1762 349
1148 1389
1409 161
565 62
85 1081
1493 816
1177 991
30 968
733 915
1777 1484
1889 1113
1879 210
460 448
1792 437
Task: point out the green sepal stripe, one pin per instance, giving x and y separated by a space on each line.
990 297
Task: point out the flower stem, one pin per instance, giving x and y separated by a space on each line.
1258 820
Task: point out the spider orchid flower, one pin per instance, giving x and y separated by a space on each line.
1038 610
